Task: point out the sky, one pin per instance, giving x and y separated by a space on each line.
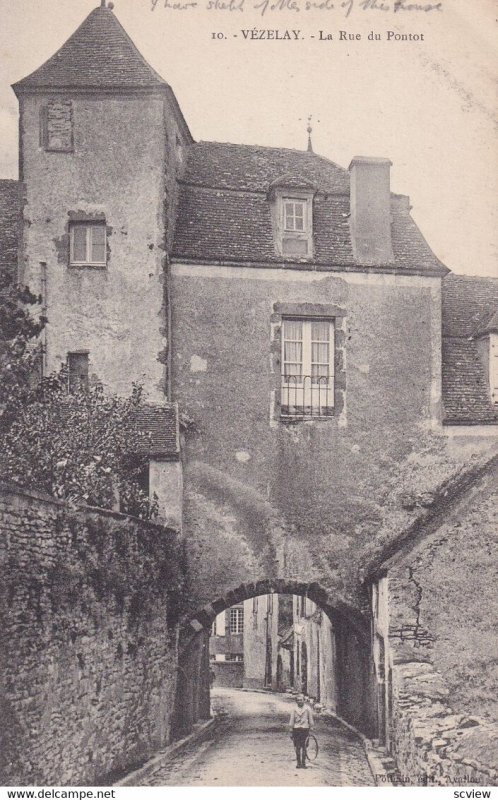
427 103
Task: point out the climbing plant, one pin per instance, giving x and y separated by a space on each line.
19 354
84 446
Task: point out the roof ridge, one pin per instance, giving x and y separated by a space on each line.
307 153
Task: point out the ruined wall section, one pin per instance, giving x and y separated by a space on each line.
88 640
115 171
443 648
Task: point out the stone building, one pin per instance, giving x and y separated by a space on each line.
333 379
267 659
314 653
226 647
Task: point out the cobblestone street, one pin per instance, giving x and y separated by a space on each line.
251 747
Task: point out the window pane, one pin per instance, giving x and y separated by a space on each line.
289 216
319 373
299 218
293 373
293 329
293 352
320 331
98 244
79 242
320 353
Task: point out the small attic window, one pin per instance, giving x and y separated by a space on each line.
296 226
291 200
56 126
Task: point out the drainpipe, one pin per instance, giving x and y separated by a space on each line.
43 282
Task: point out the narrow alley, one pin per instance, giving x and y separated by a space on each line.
251 747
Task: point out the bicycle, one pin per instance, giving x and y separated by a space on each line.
311 747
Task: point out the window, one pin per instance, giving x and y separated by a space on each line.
307 367
88 244
296 226
77 371
236 620
294 215
269 603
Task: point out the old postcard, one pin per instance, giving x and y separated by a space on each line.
248 394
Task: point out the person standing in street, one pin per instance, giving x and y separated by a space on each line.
300 723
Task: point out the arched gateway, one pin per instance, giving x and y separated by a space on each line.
351 670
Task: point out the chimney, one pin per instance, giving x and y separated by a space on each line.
371 210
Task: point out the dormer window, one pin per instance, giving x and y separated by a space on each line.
292 212
296 226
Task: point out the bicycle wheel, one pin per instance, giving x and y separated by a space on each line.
311 747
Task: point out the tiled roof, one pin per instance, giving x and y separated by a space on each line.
160 426
470 308
469 304
9 225
224 213
252 168
99 54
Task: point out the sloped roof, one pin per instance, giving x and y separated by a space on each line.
470 308
470 303
9 226
224 213
99 54
160 426
252 168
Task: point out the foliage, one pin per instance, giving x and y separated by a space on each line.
84 447
19 356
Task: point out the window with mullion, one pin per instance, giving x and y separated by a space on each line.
294 215
307 366
88 244
236 620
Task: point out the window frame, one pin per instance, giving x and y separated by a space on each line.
293 233
236 627
90 225
71 374
318 397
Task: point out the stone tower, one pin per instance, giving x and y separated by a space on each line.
101 144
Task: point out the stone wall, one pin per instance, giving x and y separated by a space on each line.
441 653
121 168
88 640
296 499
228 673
